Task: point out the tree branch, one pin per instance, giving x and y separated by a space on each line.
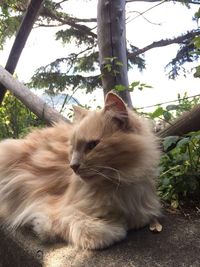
188 122
161 43
65 19
38 25
30 100
22 8
142 15
147 10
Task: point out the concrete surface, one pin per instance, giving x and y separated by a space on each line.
178 245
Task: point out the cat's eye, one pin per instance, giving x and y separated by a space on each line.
92 144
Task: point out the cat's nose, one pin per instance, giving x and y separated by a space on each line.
75 167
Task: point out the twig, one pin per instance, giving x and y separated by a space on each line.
139 13
147 10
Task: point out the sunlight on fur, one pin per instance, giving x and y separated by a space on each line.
87 183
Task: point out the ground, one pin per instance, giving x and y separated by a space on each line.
177 245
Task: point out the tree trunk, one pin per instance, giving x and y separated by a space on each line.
30 100
20 40
112 46
188 122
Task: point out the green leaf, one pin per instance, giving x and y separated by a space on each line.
120 87
119 63
197 73
183 142
169 140
171 107
108 67
133 85
157 113
146 85
167 115
197 14
166 181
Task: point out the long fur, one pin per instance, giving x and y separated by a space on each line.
112 191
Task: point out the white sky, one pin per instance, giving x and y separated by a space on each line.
41 49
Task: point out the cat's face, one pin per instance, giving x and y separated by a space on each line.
105 145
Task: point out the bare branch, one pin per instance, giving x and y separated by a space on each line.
38 25
32 101
161 43
59 3
145 11
65 19
84 20
141 14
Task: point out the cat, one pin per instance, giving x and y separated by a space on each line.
88 182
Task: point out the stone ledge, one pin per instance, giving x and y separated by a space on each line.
177 245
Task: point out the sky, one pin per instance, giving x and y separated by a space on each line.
166 21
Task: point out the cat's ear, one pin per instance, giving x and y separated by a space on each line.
79 113
116 108
115 103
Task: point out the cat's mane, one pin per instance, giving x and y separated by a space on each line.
111 190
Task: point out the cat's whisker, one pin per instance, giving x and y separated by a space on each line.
113 169
116 179
100 173
109 178
119 173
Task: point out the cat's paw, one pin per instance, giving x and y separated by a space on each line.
41 226
96 235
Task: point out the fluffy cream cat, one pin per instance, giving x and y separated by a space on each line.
87 183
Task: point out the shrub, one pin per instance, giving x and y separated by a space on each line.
15 118
180 168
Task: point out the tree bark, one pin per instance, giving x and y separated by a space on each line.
188 122
30 100
20 40
112 46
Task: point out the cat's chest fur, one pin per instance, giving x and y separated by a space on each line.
109 202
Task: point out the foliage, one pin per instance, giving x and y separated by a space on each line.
133 86
172 111
180 163
180 168
15 119
196 43
72 34
58 82
9 21
185 54
179 177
